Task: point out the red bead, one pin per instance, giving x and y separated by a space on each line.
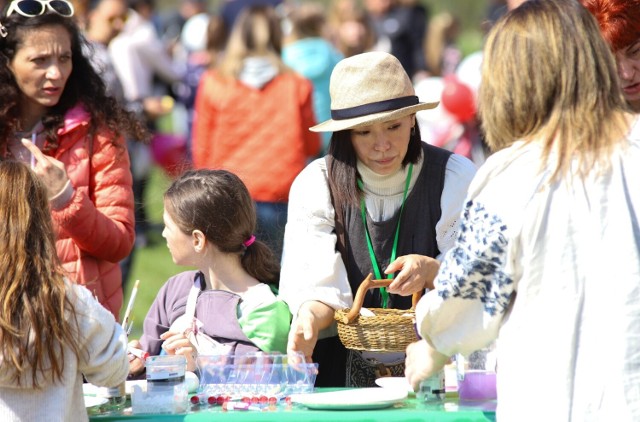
246 400
287 400
211 400
195 399
220 400
273 400
263 399
255 399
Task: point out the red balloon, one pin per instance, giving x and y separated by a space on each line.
458 99
170 152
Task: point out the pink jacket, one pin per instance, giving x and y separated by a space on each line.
95 230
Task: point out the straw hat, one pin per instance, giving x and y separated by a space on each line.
369 88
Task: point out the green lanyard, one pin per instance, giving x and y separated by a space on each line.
372 255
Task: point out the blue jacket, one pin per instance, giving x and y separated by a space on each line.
315 58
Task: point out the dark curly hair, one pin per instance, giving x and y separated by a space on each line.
83 86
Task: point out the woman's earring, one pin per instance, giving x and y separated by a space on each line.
413 130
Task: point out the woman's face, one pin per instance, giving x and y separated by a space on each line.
41 67
628 61
179 243
383 146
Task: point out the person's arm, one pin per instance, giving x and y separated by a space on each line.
312 268
156 322
267 325
103 351
313 281
417 272
422 362
102 225
312 317
459 173
473 291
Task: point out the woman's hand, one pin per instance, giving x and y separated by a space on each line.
312 317
136 365
178 344
416 273
51 171
422 362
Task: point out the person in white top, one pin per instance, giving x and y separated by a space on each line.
139 54
52 331
548 260
379 181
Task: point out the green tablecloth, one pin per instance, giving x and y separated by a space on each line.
408 411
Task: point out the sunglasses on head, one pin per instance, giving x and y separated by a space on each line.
31 8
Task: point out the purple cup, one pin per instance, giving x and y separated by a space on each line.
477 385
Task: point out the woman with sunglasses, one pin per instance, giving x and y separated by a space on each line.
56 116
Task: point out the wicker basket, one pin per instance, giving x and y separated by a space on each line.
389 330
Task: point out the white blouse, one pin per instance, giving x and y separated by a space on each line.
553 269
312 268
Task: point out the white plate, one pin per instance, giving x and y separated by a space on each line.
90 401
398 383
353 399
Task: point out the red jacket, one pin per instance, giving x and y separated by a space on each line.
262 135
95 230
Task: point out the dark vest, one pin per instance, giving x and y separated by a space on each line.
417 229
417 235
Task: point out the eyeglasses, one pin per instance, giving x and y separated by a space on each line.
32 8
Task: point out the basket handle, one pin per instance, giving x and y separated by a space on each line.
370 283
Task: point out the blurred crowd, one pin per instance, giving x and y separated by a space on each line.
236 87
153 60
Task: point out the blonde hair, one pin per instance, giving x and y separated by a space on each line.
256 33
35 320
548 76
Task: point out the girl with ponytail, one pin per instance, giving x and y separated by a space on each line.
228 304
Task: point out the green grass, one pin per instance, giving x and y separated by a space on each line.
152 265
470 41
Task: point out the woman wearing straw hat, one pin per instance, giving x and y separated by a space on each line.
381 202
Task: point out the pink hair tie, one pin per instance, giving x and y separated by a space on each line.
249 241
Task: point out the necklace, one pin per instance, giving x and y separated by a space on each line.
374 262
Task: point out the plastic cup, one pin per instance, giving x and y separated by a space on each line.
167 390
477 375
477 385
